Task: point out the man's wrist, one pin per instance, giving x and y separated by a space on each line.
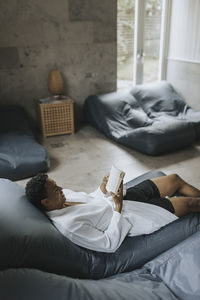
103 189
118 208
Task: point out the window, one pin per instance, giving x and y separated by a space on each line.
138 41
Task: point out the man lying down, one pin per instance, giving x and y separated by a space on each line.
100 221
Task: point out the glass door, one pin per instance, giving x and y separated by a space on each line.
152 34
147 40
138 41
125 42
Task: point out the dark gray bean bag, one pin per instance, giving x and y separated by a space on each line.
21 156
172 275
29 240
152 119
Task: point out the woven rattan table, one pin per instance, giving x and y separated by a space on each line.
56 116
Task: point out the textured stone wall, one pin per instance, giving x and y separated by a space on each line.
78 37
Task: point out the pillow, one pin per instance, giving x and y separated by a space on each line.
158 99
135 117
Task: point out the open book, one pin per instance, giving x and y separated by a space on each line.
115 178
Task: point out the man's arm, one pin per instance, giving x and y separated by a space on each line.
110 239
118 198
92 238
101 191
103 184
84 234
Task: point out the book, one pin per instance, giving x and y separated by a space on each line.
53 99
45 100
115 178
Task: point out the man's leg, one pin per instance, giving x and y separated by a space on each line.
185 205
170 184
189 203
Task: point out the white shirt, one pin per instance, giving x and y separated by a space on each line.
96 226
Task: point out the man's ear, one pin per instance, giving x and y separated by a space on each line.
44 202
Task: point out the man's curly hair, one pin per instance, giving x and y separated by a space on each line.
36 191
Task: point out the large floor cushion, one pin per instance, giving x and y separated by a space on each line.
152 118
28 239
21 156
171 276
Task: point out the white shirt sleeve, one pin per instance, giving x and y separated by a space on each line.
98 193
85 235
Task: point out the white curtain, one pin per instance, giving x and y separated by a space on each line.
184 41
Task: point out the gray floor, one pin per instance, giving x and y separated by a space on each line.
80 161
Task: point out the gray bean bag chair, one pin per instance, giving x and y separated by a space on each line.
21 156
28 239
171 276
33 253
152 119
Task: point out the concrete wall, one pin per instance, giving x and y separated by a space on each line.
183 69
78 37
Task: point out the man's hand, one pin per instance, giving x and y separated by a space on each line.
103 184
118 199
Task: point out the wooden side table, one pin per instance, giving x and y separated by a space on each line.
56 116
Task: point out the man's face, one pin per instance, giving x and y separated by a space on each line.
55 197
